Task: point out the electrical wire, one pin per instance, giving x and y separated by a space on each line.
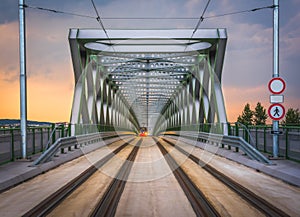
240 12
147 18
201 18
101 23
57 11
150 18
98 18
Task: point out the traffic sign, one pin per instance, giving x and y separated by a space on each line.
276 111
276 85
273 132
276 98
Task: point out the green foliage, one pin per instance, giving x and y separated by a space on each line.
292 117
247 116
260 115
256 117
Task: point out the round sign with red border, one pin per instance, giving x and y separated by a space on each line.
276 85
276 111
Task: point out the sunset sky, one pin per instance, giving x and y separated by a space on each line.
247 65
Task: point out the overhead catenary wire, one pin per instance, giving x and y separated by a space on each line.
240 12
99 20
98 17
146 18
57 11
201 18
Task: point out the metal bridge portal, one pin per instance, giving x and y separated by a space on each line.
158 79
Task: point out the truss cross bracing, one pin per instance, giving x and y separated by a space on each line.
157 79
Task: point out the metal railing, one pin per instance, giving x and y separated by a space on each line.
223 140
37 139
262 139
40 138
217 128
74 142
259 137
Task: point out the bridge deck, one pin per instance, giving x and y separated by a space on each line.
152 188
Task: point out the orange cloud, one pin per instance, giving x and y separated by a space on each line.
236 98
49 80
9 99
46 101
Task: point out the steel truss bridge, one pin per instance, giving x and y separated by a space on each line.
159 79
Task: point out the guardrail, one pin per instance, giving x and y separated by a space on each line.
259 137
223 140
39 138
70 143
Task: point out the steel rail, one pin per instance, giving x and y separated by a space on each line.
259 203
107 206
47 205
200 204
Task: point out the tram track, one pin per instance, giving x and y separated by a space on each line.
107 206
108 199
200 204
259 203
48 204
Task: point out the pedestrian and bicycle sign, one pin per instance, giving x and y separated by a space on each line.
276 111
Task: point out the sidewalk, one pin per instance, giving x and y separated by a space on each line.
14 173
285 170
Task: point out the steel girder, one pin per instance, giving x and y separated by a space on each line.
198 100
158 78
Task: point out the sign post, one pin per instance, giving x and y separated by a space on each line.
276 112
275 68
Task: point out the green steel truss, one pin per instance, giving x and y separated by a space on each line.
158 79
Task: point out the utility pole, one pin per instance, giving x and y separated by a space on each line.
275 69
23 88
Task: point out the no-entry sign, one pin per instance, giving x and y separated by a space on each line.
276 85
276 111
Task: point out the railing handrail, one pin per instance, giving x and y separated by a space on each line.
67 142
248 132
51 136
59 143
234 141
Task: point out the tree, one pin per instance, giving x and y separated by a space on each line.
292 117
260 115
247 116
